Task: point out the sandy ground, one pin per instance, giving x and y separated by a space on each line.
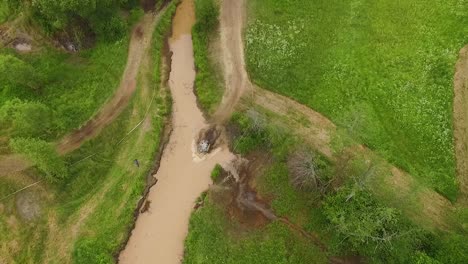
159 234
460 122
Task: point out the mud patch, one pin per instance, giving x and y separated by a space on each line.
234 192
210 138
28 205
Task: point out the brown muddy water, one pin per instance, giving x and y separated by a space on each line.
159 234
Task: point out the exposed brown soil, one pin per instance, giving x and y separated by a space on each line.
460 122
13 163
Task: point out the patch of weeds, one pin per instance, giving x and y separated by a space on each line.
216 173
207 82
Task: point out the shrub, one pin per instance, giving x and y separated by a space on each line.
43 155
371 229
216 172
305 172
26 119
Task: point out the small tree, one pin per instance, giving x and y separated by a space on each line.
305 171
368 227
43 155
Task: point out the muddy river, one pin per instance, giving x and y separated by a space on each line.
159 234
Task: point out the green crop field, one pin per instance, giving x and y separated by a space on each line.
381 69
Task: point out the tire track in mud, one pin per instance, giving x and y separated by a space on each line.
319 130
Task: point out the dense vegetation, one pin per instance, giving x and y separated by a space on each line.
63 90
207 83
382 69
78 20
346 215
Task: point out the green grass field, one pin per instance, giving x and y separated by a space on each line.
335 216
381 69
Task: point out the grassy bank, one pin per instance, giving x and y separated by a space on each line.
208 81
86 217
381 69
213 238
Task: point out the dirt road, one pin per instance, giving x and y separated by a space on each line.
236 80
159 234
460 122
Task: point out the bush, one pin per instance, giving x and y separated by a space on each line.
26 119
216 172
43 155
305 171
371 229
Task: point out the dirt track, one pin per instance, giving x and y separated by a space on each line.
460 122
232 19
139 44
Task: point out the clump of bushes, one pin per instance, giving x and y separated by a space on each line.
43 155
216 173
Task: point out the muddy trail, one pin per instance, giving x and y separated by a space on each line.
460 125
159 233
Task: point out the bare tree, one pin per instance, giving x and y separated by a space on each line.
305 172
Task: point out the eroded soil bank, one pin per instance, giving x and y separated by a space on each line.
159 233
